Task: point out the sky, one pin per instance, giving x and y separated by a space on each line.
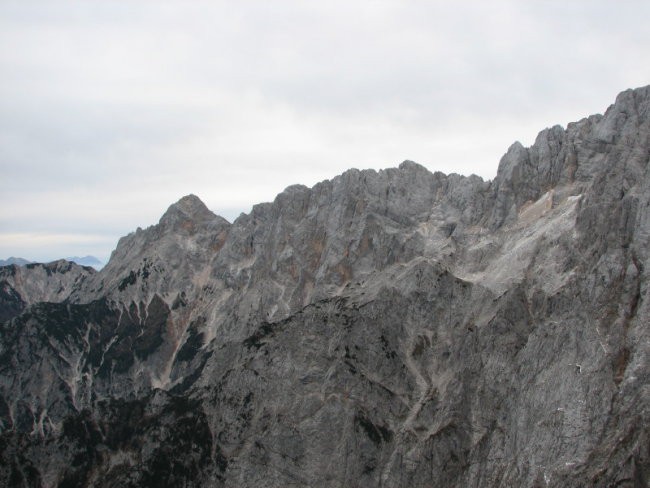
110 111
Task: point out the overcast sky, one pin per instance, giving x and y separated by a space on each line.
112 110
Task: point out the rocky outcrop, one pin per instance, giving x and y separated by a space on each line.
390 328
21 286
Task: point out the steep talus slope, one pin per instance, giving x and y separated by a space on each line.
391 328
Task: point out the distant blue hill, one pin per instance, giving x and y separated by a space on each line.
87 261
84 261
13 260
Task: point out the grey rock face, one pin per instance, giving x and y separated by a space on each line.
392 328
23 285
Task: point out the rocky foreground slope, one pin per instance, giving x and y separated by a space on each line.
392 328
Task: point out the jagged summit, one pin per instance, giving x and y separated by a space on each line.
411 165
383 328
188 208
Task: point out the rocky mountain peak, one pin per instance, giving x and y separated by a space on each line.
190 208
409 165
383 328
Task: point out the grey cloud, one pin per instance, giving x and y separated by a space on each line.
69 143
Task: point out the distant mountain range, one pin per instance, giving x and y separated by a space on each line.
86 261
83 261
13 260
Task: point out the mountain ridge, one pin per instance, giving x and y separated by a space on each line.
382 328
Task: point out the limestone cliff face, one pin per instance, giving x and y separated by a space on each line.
23 285
391 328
